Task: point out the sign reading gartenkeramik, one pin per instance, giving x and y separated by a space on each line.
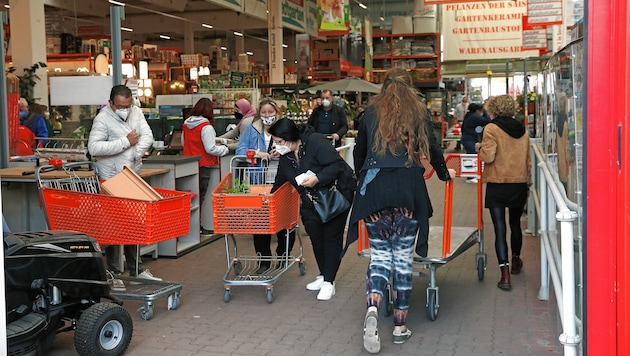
484 30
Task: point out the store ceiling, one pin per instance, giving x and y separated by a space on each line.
151 18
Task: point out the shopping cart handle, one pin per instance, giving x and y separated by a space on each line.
28 173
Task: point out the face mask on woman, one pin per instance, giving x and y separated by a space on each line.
268 120
282 149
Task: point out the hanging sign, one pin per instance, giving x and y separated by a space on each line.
236 5
484 30
311 11
294 15
534 36
544 12
333 17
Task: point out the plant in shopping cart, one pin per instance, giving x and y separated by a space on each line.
240 186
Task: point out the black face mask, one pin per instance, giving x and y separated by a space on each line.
238 116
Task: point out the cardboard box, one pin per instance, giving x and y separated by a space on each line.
402 25
128 184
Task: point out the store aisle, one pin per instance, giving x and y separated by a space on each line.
475 318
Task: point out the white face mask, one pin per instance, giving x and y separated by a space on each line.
122 113
326 103
47 114
268 120
282 149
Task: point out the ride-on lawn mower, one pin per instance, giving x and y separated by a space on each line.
55 281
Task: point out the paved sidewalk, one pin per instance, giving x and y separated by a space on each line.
475 317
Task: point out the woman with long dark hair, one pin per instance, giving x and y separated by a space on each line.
303 150
392 199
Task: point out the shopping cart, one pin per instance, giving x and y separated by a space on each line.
243 204
445 242
70 195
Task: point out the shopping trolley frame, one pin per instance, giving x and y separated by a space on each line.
445 242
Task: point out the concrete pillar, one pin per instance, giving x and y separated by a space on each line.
239 44
274 28
28 41
189 37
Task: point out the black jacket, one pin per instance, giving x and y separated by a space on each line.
338 121
471 121
318 155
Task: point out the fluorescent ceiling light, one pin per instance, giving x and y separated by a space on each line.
206 25
382 18
126 29
7 6
249 53
165 37
224 48
238 34
117 3
285 45
284 59
361 5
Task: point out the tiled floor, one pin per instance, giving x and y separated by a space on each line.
475 317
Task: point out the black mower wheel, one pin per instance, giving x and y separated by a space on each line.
103 329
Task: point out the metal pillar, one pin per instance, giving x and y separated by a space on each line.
4 112
116 14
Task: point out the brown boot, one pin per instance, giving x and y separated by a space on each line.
517 264
505 283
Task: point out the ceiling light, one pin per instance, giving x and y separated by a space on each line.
7 6
285 45
165 37
126 29
249 53
382 18
284 59
361 5
224 48
117 3
238 34
206 25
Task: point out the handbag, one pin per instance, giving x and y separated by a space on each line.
329 203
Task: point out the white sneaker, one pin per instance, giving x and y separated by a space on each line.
472 181
316 284
147 275
371 340
327 291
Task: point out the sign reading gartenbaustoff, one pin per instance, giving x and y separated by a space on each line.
484 30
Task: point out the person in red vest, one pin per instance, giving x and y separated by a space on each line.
198 139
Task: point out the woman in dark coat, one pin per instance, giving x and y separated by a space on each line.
392 199
304 150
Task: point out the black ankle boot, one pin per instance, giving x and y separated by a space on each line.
517 264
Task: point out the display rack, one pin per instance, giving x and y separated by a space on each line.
419 53
325 64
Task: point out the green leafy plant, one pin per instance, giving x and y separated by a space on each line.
240 186
28 79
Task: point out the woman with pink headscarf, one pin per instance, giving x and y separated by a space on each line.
245 112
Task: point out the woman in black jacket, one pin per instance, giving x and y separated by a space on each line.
474 118
304 150
392 199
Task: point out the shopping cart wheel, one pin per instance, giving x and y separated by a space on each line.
432 304
238 267
146 311
481 268
389 300
269 294
227 295
173 301
302 268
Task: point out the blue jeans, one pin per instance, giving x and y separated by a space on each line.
392 235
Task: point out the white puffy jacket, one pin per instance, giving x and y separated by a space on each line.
109 145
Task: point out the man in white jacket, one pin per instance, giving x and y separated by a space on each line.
119 137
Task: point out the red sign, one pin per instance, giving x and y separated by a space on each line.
89 30
440 2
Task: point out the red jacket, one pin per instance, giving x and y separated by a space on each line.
193 146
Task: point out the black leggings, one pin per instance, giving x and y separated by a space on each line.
500 231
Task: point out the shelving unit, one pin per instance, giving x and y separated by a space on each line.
183 176
420 53
325 63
